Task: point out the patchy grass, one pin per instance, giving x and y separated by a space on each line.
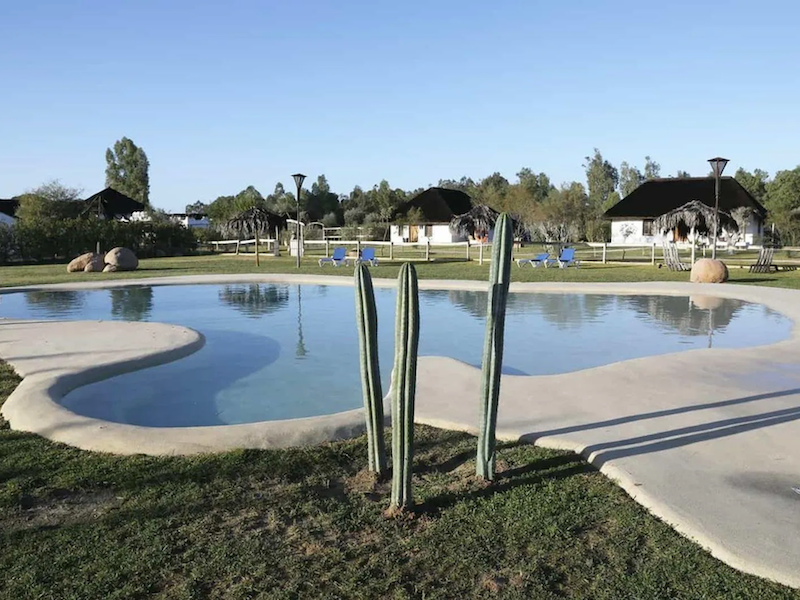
229 264
308 523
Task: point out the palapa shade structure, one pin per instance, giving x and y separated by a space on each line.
254 222
480 219
697 217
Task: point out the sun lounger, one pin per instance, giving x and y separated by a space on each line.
368 256
565 259
337 259
539 259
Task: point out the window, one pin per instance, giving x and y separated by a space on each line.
647 227
428 230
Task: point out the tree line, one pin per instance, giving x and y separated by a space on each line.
571 211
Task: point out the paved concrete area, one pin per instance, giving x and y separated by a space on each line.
708 440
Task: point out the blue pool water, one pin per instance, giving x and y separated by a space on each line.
286 351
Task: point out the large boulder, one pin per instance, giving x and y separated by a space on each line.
110 269
122 258
79 263
709 270
95 265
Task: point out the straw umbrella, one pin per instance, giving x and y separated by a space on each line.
254 221
697 217
474 223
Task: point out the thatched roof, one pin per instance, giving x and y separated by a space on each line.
437 205
694 215
479 218
112 204
658 196
9 207
253 220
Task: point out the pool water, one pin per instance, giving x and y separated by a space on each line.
286 351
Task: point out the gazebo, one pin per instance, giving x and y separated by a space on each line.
255 221
697 217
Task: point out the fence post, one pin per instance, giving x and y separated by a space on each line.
358 248
480 254
391 250
467 243
653 254
327 248
427 250
605 247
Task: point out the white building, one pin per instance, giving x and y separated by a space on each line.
632 217
190 221
426 217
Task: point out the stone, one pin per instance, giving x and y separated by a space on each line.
122 258
709 270
79 263
110 269
95 265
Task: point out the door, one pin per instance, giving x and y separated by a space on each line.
413 233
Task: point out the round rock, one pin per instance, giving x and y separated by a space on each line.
122 258
79 263
109 268
709 270
95 265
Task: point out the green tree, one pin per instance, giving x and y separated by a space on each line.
755 182
197 208
50 201
682 174
781 198
492 191
127 170
652 170
602 178
536 185
629 179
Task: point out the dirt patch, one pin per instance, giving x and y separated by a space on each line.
62 507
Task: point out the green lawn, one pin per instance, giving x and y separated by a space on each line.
200 265
308 522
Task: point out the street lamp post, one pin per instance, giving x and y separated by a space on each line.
298 180
717 166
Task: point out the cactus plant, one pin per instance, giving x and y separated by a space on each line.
499 276
404 383
367 321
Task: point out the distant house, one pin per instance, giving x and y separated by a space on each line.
111 204
432 211
8 211
190 220
632 217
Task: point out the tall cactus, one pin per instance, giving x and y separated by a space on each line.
367 321
404 386
499 276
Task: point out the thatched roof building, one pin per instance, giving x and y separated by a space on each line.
111 204
435 205
658 196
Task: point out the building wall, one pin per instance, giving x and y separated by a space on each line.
631 231
436 234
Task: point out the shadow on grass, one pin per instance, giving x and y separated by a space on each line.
568 465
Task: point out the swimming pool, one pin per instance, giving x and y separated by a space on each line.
279 351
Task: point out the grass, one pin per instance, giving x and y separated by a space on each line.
308 522
227 264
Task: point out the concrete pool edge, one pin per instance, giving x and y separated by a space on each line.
441 405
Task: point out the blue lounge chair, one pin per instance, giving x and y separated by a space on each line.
338 258
565 259
539 259
368 256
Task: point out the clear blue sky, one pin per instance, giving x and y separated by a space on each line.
222 95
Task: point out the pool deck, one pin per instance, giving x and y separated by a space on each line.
708 440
